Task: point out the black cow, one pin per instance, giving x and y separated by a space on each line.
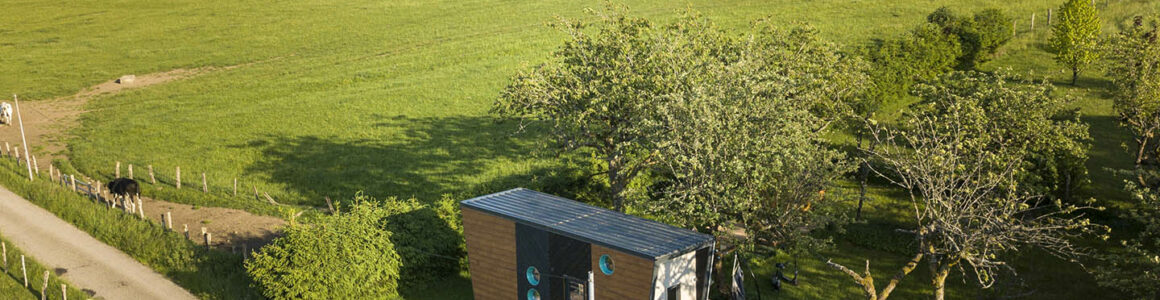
123 187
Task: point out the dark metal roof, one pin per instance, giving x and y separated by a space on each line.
607 228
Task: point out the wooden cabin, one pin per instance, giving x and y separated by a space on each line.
524 244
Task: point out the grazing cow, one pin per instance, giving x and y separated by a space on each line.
6 113
124 187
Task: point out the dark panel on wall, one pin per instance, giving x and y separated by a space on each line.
491 253
632 277
567 257
532 251
702 269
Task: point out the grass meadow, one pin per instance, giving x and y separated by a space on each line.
392 98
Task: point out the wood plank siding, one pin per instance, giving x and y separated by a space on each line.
491 253
631 277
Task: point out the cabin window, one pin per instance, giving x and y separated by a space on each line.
533 294
606 264
674 292
533 276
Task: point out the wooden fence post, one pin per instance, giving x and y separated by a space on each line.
169 220
204 185
73 178
256 192
63 292
185 228
24 271
44 287
35 165
4 247
51 175
179 177
1048 18
130 171
117 174
140 207
152 179
1014 28
7 149
235 186
329 205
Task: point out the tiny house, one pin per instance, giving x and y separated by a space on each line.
524 244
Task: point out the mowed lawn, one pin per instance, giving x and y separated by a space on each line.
392 98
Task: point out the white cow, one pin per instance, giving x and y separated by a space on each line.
6 113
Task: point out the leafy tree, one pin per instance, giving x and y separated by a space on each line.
1136 269
1134 67
960 153
1075 36
1134 57
599 94
344 256
980 36
896 65
743 129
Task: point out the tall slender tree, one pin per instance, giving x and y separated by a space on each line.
1075 36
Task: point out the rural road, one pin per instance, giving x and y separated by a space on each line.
90 264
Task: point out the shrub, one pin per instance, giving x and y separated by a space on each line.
979 37
922 54
429 239
344 256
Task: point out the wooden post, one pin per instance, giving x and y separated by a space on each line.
7 149
24 271
4 247
44 287
205 235
208 236
1048 18
36 165
130 171
169 220
1032 21
204 186
17 156
23 140
1014 28
117 174
329 205
63 292
235 186
179 177
152 179
50 172
140 207
73 178
185 228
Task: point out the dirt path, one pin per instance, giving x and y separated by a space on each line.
232 229
86 262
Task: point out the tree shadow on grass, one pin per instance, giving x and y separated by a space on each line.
424 158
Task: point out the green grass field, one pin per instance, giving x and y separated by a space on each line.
392 98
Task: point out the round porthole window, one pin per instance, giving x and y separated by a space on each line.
533 294
606 264
533 275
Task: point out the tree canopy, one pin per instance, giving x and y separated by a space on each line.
1075 36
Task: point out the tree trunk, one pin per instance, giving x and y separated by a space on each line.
940 268
863 171
616 184
1074 75
910 266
